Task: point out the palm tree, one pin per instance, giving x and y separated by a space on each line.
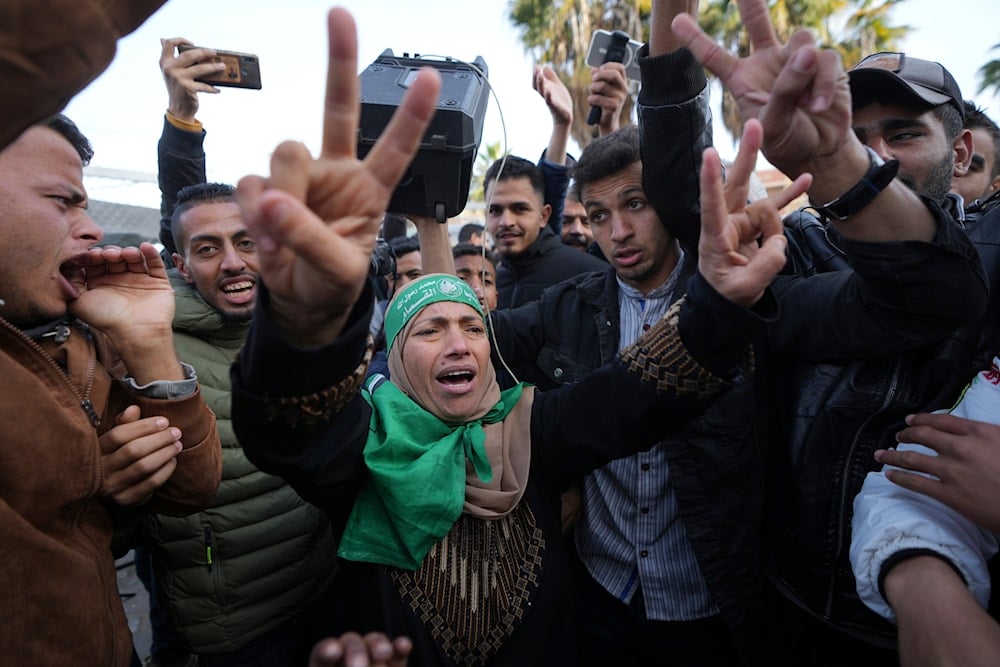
989 74
558 32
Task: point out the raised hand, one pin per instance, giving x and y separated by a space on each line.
138 456
353 650
123 288
608 92
799 93
315 221
555 93
742 246
124 292
560 103
966 468
179 73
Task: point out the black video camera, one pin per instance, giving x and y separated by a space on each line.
383 260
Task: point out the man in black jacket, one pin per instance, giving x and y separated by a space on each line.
842 375
533 257
650 585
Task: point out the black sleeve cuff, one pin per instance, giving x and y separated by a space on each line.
190 144
670 78
269 360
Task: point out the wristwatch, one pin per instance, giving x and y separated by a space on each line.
879 176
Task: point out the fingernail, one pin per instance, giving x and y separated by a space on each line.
878 454
161 422
176 433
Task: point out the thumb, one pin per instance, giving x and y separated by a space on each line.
128 415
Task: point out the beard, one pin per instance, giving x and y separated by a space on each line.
236 318
938 182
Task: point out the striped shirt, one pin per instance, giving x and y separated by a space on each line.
630 534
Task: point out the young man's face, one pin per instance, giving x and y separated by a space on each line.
44 226
978 183
219 258
409 267
576 231
516 215
481 276
628 231
927 159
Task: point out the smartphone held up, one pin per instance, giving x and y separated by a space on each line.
242 69
616 47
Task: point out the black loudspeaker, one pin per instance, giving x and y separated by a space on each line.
437 181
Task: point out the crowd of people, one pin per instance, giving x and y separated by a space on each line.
635 417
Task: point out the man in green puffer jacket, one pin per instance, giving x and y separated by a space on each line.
239 579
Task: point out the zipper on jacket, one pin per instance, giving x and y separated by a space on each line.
86 403
61 334
208 547
890 394
213 564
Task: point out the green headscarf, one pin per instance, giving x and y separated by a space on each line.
422 292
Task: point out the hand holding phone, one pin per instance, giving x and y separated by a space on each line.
612 47
242 69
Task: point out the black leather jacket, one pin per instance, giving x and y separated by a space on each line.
839 390
868 333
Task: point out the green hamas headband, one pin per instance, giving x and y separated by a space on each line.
423 292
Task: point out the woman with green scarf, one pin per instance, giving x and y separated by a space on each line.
446 490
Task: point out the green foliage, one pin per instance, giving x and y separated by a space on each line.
557 33
488 154
989 74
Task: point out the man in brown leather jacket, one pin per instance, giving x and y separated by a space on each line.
97 412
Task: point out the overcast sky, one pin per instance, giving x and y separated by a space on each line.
122 111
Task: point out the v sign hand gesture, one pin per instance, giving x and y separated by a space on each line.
315 221
742 246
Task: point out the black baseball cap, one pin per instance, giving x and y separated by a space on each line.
897 77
